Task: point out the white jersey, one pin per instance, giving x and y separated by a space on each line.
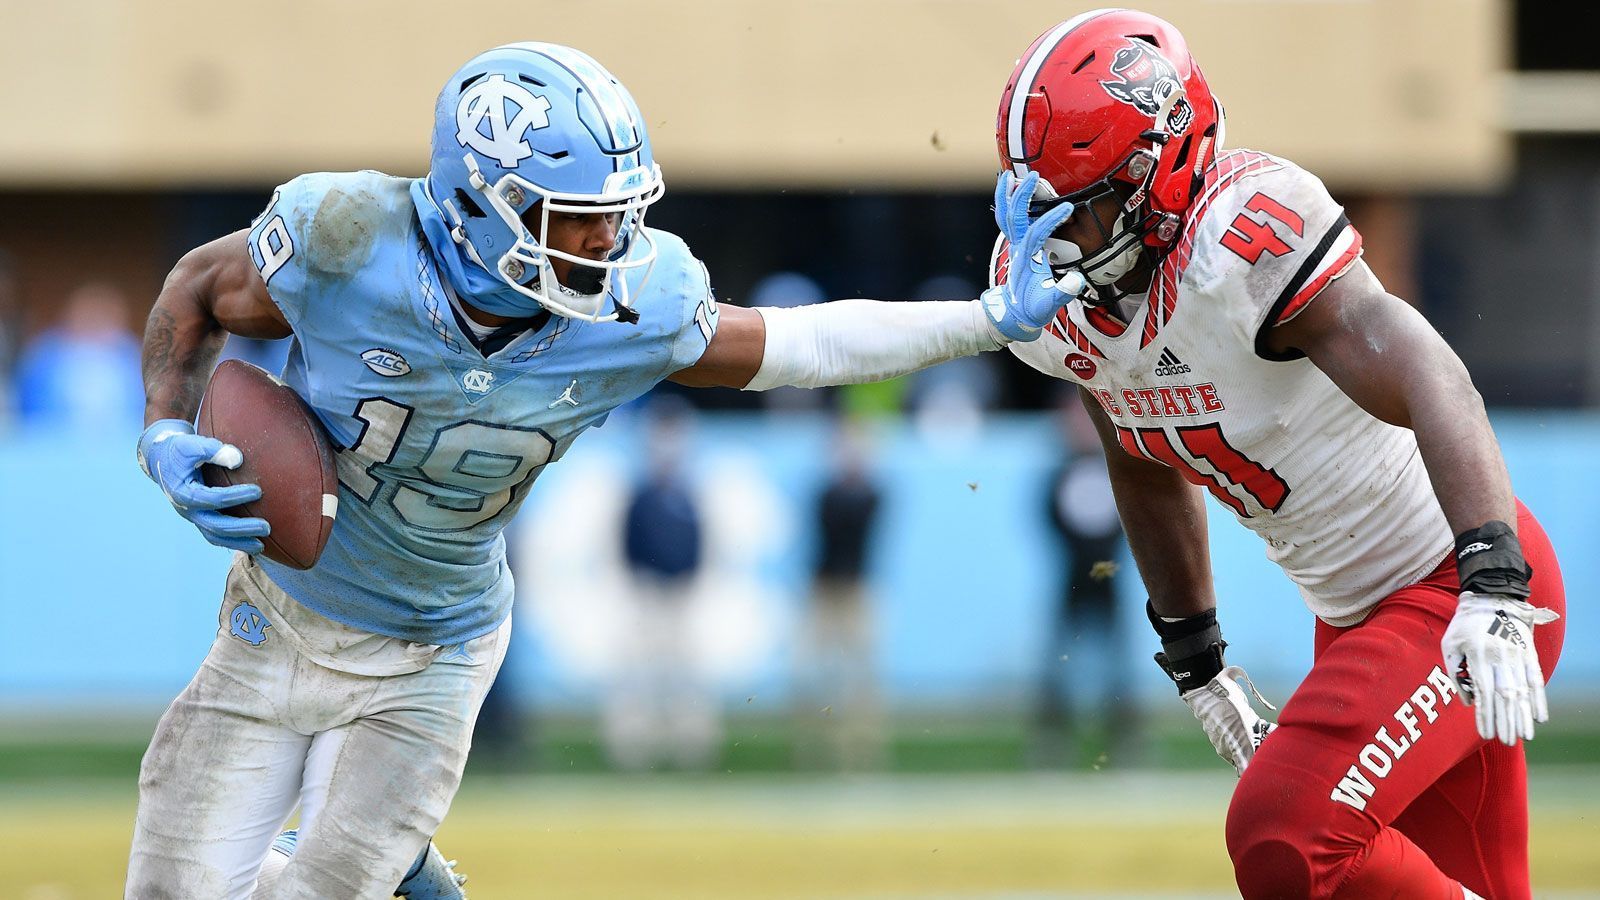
1341 499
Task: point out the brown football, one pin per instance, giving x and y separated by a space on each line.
285 451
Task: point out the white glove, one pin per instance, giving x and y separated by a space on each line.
1488 651
1224 711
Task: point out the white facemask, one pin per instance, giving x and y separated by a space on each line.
1107 265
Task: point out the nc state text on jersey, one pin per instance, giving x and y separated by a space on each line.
1163 402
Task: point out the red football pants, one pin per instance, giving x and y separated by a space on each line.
1376 783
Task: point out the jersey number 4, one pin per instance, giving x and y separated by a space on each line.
1205 443
1250 237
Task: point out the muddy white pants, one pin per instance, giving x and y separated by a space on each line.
368 734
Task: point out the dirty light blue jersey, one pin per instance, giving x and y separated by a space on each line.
437 445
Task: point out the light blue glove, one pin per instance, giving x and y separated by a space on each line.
171 454
1031 295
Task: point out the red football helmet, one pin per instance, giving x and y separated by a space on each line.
1112 97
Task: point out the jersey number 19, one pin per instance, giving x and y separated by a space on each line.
472 467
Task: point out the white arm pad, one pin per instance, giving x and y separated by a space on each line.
856 341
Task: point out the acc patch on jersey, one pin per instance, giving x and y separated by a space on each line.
386 362
1080 365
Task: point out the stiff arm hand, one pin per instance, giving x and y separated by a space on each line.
1031 295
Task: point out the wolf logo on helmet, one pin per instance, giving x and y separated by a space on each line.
1144 79
1111 104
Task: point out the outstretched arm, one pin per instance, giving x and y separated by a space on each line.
843 342
855 341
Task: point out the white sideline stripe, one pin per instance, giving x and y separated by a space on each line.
1129 798
1024 85
1044 895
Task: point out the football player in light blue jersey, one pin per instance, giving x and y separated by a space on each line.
455 334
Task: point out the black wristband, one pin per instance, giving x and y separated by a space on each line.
1192 648
1489 561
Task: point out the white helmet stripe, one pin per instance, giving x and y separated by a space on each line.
602 86
1019 94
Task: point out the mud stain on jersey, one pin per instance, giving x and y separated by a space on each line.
343 230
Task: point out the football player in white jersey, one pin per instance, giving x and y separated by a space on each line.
1232 341
454 333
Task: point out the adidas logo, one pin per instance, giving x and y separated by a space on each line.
1502 628
1170 364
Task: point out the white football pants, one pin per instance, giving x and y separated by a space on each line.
369 734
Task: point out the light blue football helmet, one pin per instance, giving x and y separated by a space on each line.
535 123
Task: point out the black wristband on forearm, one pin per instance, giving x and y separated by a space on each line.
1192 648
1489 561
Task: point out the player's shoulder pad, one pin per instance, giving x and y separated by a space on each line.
678 299
322 228
333 220
1267 188
1263 236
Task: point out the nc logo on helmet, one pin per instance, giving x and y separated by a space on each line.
1144 79
495 116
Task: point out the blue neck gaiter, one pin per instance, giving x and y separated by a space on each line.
472 283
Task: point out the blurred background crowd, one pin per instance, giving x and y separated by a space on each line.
920 575
793 549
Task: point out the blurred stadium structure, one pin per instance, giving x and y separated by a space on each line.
849 142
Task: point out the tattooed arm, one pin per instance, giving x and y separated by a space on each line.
212 292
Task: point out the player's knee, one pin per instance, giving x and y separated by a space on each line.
1269 840
1271 868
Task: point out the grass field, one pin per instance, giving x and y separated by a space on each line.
1016 835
